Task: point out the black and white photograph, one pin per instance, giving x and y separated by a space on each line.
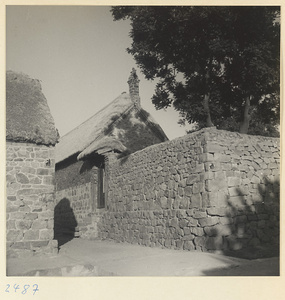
142 141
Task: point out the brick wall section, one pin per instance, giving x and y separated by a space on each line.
210 190
30 199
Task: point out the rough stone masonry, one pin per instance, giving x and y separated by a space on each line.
209 190
30 199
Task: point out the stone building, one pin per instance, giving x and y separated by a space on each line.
30 166
119 178
83 156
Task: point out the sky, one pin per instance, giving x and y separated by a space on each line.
79 55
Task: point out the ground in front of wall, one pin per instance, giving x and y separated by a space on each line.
80 257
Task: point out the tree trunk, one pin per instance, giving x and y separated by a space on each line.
246 116
209 122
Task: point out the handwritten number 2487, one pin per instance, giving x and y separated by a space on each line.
25 288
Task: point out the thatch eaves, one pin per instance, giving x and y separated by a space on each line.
28 117
103 145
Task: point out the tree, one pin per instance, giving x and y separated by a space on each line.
253 70
214 64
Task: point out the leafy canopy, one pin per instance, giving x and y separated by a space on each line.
209 60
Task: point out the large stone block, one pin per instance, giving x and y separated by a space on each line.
226 220
216 211
200 242
198 187
188 245
21 245
255 179
191 179
11 208
31 235
218 199
192 222
197 231
39 244
41 224
238 191
22 178
184 203
16 215
46 234
188 191
196 201
214 243
219 230
163 202
206 157
10 224
234 181
183 223
238 201
42 154
210 221
42 171
31 216
14 235
216 184
23 224
199 214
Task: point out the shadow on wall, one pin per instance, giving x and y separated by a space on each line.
250 224
64 222
136 132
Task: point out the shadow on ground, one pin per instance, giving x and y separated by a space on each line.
257 267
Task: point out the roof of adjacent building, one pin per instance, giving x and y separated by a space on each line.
28 117
87 137
83 135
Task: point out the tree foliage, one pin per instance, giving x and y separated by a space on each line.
216 65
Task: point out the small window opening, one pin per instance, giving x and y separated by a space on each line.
101 187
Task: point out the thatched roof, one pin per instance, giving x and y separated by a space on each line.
91 130
28 117
101 132
103 145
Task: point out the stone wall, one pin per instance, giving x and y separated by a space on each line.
76 197
209 190
30 199
75 211
71 172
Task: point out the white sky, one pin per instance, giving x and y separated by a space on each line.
79 54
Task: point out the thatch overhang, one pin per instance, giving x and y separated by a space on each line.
28 117
101 146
